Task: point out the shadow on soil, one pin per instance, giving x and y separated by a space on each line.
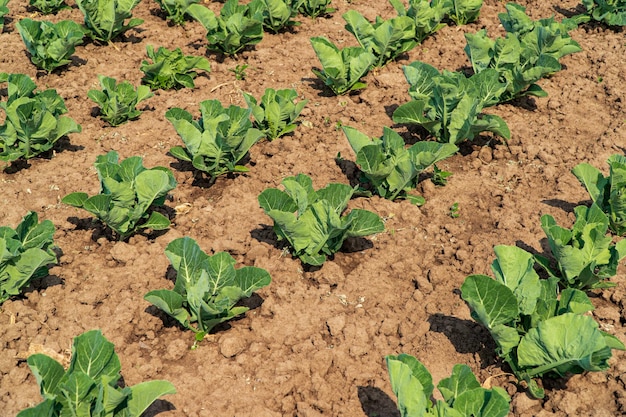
158 407
566 206
62 145
318 85
265 234
98 229
350 170
375 402
466 336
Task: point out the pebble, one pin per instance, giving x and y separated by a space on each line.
231 345
336 324
124 253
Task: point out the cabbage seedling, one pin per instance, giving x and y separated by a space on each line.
50 44
176 10
3 11
33 121
48 6
385 39
311 221
314 8
389 167
585 255
171 68
90 386
233 30
530 51
105 19
275 116
24 253
463 396
218 141
342 69
609 193
128 191
537 330
449 105
207 287
118 101
275 14
426 14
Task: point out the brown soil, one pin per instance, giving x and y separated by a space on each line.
314 342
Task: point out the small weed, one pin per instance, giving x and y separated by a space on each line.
239 71
455 211
440 176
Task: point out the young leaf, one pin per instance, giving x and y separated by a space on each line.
553 347
171 303
47 372
492 303
406 375
461 380
144 394
94 356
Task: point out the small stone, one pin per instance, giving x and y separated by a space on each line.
231 345
485 154
523 404
257 251
330 274
388 327
124 253
546 158
461 255
177 349
336 324
554 104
